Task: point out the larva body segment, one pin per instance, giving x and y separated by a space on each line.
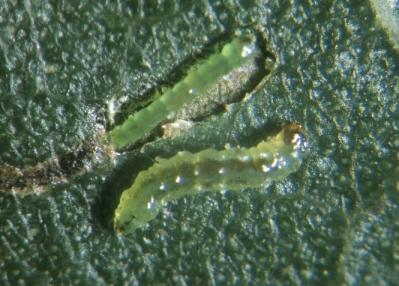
196 82
233 87
209 170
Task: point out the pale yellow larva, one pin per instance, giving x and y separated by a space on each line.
209 170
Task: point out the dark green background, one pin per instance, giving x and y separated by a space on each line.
334 221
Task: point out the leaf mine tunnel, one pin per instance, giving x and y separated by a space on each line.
197 81
209 171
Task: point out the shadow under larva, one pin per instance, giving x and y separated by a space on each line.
129 164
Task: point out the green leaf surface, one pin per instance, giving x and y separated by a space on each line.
333 222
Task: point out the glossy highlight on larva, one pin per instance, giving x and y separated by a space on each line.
206 171
197 81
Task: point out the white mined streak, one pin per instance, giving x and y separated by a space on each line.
264 155
111 110
196 172
179 180
175 128
221 171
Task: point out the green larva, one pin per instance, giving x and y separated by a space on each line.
197 81
209 170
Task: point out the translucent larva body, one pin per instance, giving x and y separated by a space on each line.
194 84
209 170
